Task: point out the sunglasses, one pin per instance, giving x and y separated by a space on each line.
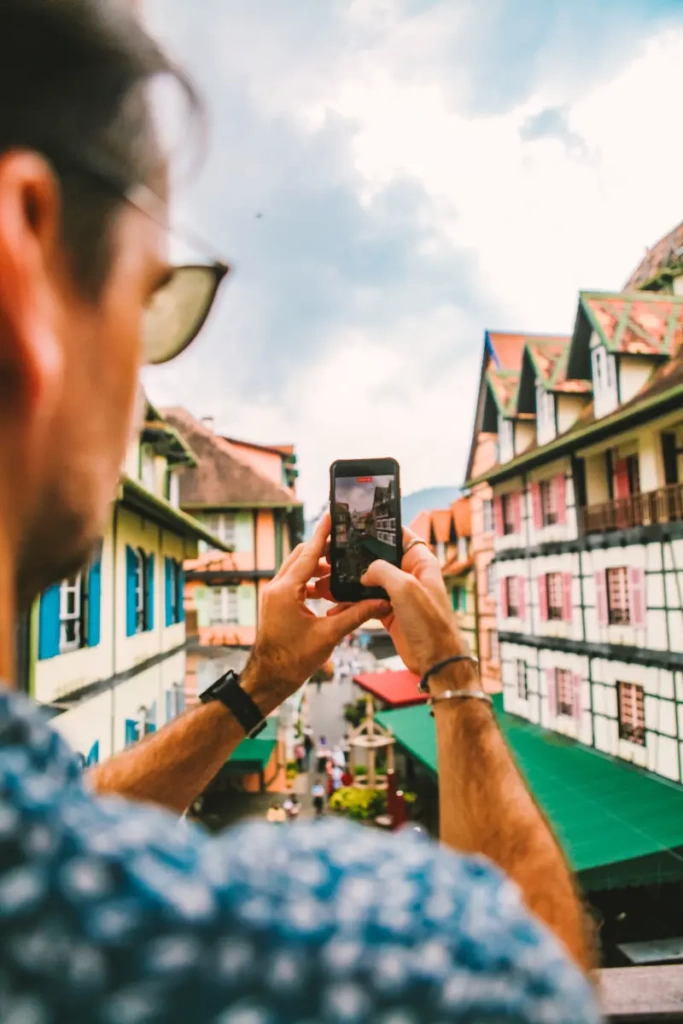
180 306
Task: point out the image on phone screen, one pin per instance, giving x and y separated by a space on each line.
366 520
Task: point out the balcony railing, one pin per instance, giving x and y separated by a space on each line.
664 505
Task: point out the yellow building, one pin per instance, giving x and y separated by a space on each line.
107 646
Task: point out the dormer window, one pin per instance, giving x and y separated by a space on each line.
604 381
545 415
506 439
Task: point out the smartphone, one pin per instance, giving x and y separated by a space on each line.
365 504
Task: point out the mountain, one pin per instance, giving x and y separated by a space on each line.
425 500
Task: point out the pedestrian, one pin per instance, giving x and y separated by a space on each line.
292 807
300 756
322 755
111 889
318 794
336 774
276 814
338 757
347 778
309 745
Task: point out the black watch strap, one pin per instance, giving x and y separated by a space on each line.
228 691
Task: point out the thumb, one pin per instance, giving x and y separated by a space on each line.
383 574
348 619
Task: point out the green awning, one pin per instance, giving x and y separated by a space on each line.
253 755
619 825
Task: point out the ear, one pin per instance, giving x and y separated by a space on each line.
31 358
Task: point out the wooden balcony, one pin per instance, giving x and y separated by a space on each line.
664 505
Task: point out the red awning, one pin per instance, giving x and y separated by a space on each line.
397 689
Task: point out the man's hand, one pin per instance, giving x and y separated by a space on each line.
421 622
292 642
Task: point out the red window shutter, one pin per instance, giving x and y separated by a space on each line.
561 498
551 687
498 516
577 701
517 512
621 484
536 505
543 597
637 596
503 599
521 596
567 596
601 597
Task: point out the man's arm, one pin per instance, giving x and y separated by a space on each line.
484 804
173 766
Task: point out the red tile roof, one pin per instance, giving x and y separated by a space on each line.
504 385
462 517
442 519
640 323
550 361
456 568
398 689
662 261
421 525
508 348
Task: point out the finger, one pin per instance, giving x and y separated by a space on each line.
301 570
319 589
383 574
383 612
322 568
289 560
348 619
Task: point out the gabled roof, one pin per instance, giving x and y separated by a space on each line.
457 568
660 264
545 362
443 531
422 526
462 517
502 350
503 385
636 323
221 479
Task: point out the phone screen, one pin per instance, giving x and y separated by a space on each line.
366 523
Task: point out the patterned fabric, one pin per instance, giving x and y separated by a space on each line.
118 914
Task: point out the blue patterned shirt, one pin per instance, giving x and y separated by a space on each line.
118 914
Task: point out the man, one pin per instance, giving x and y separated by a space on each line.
112 911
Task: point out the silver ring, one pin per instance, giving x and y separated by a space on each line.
413 542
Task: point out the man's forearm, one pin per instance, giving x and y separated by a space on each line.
485 807
172 766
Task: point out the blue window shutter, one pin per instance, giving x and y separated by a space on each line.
94 755
131 731
181 592
48 639
131 569
169 566
94 603
149 624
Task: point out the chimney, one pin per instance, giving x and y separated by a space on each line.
208 422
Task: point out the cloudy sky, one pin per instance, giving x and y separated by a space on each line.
359 497
391 177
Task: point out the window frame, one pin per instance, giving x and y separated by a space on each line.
555 586
487 515
619 612
506 505
631 705
512 594
490 579
141 592
522 679
225 592
564 688
72 619
549 512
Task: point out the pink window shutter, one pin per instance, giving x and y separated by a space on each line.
637 596
498 516
622 487
536 505
552 691
521 599
503 599
601 597
567 611
517 512
577 698
543 597
560 486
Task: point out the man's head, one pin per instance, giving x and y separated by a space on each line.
78 264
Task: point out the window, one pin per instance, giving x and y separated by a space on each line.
459 599
618 605
71 607
512 596
564 684
462 549
604 380
224 606
493 644
224 526
147 475
487 507
508 503
555 595
548 505
175 585
631 700
506 438
440 549
490 578
175 701
522 681
141 596
545 414
173 489
633 472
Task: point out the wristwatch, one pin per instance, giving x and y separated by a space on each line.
228 691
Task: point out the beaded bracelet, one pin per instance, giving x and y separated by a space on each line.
423 686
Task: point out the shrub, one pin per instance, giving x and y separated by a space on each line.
360 769
358 804
355 713
291 767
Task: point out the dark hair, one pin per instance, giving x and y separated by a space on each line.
72 74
